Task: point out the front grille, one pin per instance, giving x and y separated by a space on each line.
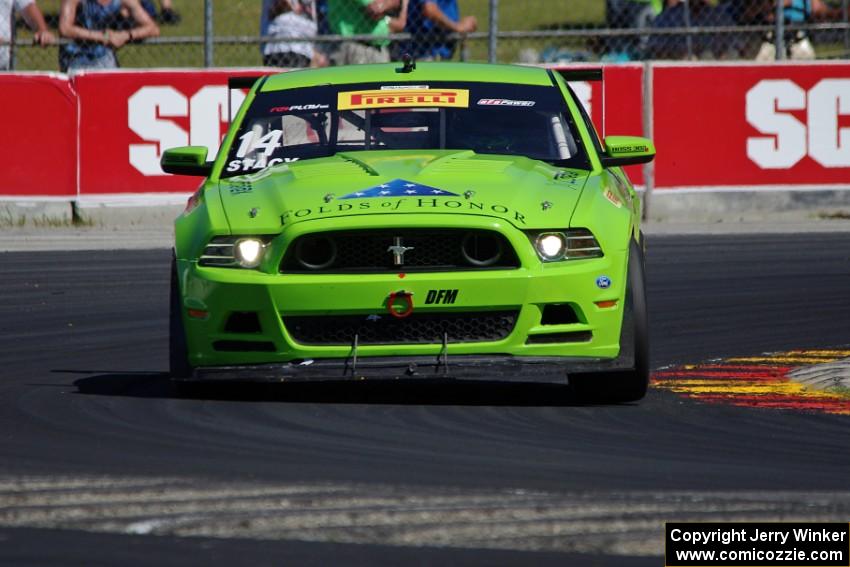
418 328
422 250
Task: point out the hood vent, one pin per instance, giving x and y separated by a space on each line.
328 168
460 165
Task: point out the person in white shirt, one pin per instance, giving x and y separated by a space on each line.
292 19
34 19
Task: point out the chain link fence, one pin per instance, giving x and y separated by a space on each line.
287 33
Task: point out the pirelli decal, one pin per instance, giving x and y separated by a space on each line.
403 98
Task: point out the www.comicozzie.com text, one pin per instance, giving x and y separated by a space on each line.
727 536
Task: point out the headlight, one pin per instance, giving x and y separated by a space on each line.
234 252
249 252
572 244
551 246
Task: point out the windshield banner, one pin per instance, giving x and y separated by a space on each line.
403 98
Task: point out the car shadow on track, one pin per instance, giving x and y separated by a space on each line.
448 392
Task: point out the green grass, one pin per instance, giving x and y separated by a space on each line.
241 18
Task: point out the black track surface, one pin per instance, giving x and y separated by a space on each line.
83 351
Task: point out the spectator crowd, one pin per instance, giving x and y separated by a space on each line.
316 33
96 29
364 26
668 14
433 23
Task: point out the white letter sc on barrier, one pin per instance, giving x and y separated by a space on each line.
148 113
789 140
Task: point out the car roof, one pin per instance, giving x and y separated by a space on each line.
424 72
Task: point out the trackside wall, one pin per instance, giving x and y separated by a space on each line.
99 135
740 125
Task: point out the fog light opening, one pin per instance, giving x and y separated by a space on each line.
315 253
481 250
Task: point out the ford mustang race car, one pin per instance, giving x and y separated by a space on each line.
439 221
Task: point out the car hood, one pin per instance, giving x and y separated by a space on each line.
526 192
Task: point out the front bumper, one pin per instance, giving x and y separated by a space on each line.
220 292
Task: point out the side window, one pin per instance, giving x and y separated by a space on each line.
594 137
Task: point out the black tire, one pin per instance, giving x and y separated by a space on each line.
626 385
178 357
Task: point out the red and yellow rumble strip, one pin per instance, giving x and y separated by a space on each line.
758 381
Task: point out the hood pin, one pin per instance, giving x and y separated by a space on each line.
329 197
546 205
469 194
254 212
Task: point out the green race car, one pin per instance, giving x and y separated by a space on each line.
439 221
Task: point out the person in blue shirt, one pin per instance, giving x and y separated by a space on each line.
167 13
801 11
636 14
430 22
700 13
95 28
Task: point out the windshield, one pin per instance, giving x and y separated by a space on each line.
487 118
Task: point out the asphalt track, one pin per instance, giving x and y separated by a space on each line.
100 464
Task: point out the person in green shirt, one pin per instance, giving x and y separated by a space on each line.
377 18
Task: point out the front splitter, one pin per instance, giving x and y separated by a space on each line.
502 368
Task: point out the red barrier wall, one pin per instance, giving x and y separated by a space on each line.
38 145
752 125
739 125
127 119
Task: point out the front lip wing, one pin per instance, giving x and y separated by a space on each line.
502 368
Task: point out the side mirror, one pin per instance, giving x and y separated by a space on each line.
188 160
627 150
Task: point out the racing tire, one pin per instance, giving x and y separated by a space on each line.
178 354
626 385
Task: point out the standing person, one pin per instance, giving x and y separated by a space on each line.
398 24
94 27
34 19
362 17
798 44
292 19
430 22
635 14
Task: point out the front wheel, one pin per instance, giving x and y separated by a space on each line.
626 385
178 356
